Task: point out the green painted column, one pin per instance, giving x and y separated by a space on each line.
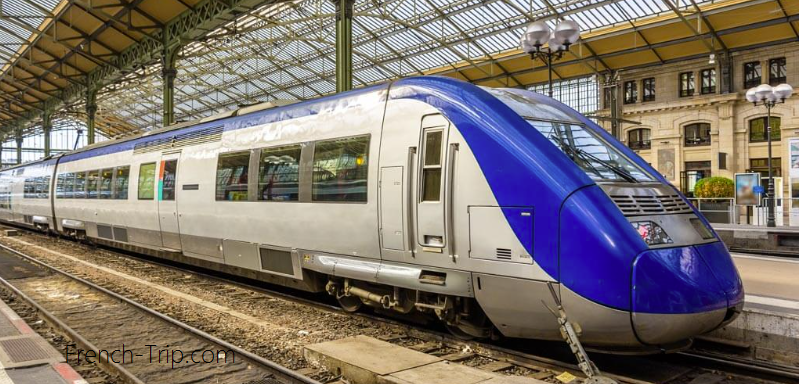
343 45
47 128
18 134
91 111
169 73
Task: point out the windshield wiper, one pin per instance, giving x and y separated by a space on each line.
587 157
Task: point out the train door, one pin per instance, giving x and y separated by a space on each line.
167 200
431 188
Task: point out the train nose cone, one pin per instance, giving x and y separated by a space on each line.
676 294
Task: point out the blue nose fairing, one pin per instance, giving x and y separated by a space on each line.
691 286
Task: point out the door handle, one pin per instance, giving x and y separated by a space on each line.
453 149
410 200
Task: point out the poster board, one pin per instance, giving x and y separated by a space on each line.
746 186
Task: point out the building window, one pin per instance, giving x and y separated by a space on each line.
147 181
697 134
649 89
776 71
761 166
708 81
686 84
231 176
630 92
121 183
639 139
752 74
694 171
757 130
279 174
340 169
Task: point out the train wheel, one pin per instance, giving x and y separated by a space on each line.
458 333
350 304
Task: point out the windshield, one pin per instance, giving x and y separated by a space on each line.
591 153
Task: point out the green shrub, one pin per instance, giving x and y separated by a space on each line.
714 187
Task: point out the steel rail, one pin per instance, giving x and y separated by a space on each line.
280 371
497 352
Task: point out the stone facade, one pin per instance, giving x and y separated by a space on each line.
729 116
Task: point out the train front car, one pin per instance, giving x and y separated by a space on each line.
639 270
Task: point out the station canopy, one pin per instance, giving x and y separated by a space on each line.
241 52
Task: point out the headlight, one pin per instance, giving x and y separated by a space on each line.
652 233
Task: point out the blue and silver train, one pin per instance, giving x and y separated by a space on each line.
426 194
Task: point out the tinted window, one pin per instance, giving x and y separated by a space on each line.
147 181
170 179
106 186
60 185
92 184
121 183
231 176
80 185
69 185
279 174
340 169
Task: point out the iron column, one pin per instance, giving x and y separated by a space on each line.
91 111
169 73
47 127
343 45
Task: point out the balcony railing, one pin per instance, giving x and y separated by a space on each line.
640 144
697 141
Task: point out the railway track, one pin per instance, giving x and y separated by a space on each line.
509 359
140 344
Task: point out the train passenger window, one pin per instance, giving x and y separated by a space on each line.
28 189
45 187
147 181
431 169
69 185
279 174
231 176
340 169
170 179
106 187
93 184
121 183
80 185
60 185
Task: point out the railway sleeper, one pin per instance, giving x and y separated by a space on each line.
462 316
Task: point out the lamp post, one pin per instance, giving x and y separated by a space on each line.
537 34
769 96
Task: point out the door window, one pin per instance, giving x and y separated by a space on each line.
431 169
147 181
169 179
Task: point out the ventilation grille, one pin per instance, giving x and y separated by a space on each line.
105 232
504 254
207 135
632 205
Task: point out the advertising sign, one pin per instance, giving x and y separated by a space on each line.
746 186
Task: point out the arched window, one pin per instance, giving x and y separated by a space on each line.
697 134
757 130
639 139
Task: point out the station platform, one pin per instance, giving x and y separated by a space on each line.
27 358
769 324
782 241
366 360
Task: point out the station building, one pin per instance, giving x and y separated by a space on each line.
690 119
